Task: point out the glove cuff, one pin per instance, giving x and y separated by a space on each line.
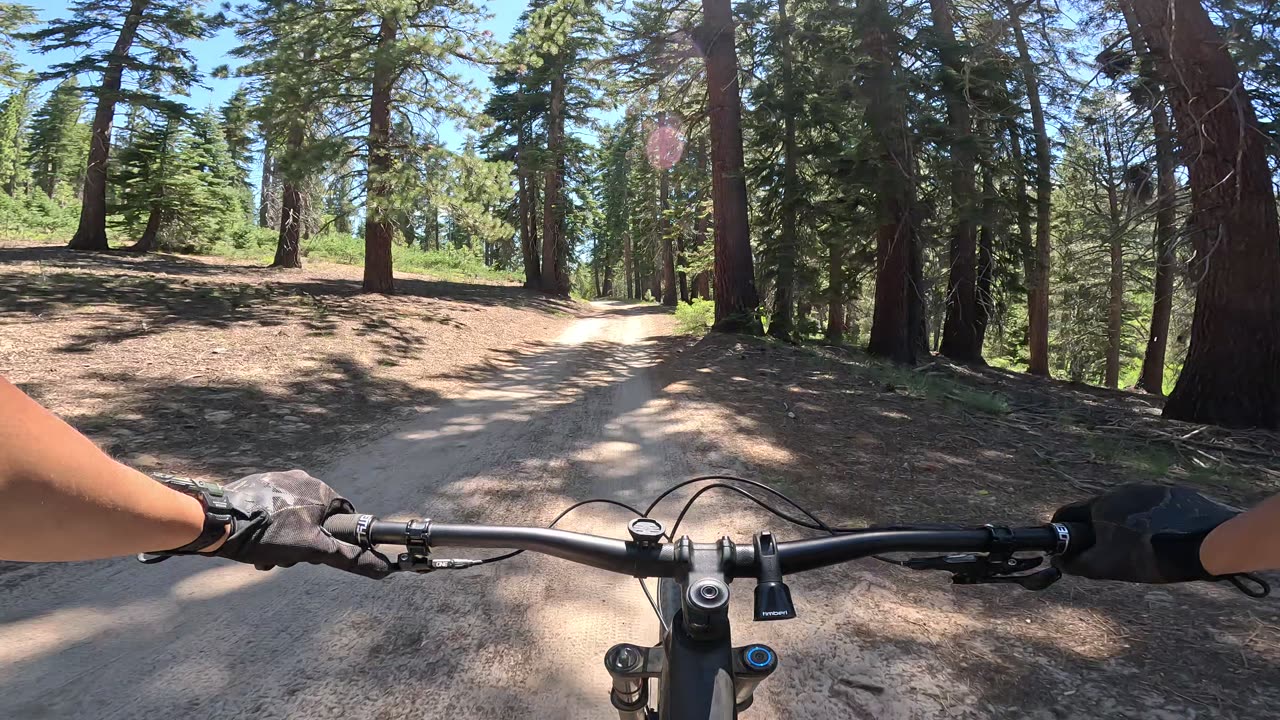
219 520
1178 556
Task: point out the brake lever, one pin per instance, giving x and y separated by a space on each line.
1034 582
971 569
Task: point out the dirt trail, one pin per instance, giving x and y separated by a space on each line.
552 424
617 407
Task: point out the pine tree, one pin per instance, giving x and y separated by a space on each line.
154 181
1038 278
236 118
14 112
13 17
148 39
56 141
1232 372
735 296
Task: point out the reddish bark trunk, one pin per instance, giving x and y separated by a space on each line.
986 255
782 319
898 323
735 296
528 236
836 324
1115 304
92 231
1151 378
1232 373
1038 282
379 229
289 244
961 336
555 251
147 243
668 244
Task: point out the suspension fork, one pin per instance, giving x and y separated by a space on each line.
702 676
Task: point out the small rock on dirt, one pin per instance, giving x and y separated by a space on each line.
144 460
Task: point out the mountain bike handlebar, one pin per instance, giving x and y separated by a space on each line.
657 560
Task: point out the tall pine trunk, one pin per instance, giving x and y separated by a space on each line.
1232 373
837 326
782 319
682 277
961 337
1152 377
735 282
986 252
1115 303
92 232
150 234
1022 208
898 324
379 229
289 243
292 205
265 185
555 254
668 249
1038 282
528 232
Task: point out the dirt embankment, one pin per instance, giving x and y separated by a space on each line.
196 365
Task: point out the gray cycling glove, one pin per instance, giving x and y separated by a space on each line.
278 520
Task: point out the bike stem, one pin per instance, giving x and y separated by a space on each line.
702 676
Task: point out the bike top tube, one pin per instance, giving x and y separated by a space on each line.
662 560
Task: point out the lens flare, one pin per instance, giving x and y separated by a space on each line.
665 145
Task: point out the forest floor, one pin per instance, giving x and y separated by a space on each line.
872 444
205 365
486 403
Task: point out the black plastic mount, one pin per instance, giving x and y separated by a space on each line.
773 597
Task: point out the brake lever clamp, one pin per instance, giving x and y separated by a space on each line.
424 563
974 566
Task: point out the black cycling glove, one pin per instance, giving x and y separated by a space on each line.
278 520
1144 534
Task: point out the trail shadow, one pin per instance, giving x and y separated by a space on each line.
192 638
229 427
137 297
865 455
61 257
201 640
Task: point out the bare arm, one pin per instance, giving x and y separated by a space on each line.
1246 543
61 498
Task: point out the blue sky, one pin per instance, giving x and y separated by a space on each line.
216 51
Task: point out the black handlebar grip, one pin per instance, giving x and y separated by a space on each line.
345 528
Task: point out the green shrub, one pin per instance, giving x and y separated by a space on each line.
36 217
695 318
